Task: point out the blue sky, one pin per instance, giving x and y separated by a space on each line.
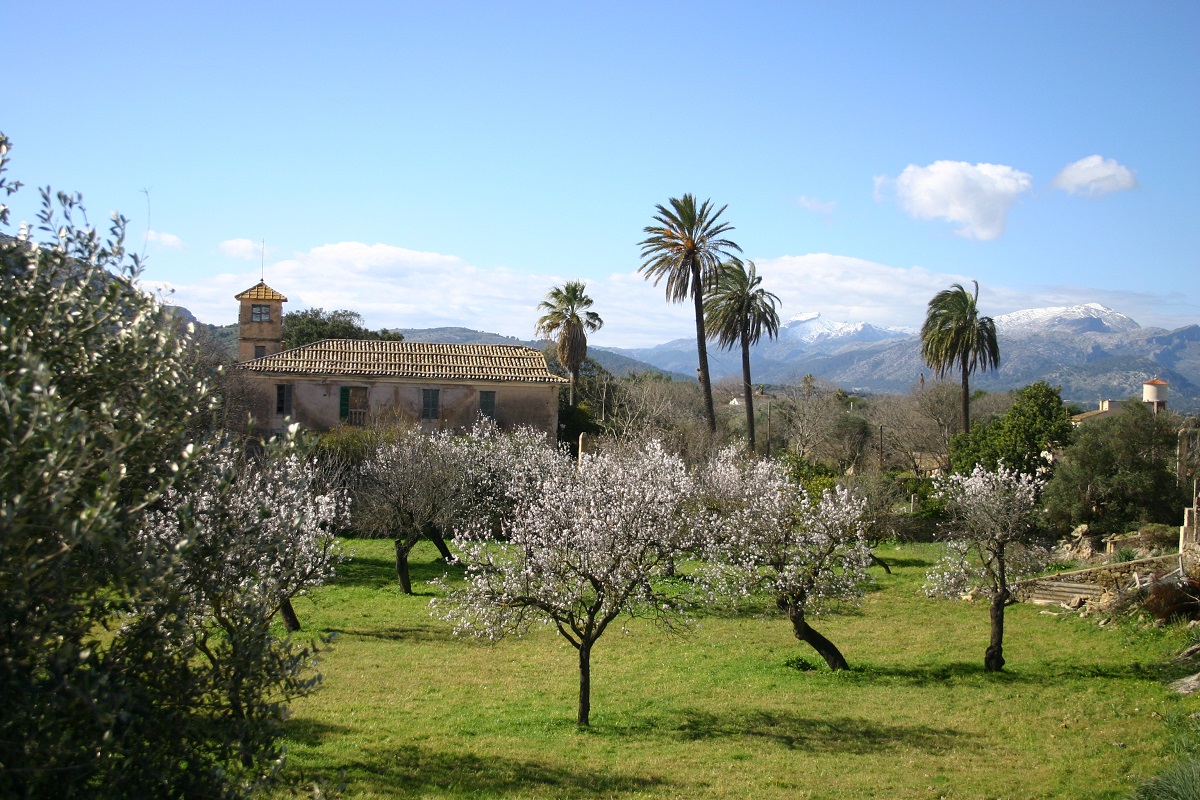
447 163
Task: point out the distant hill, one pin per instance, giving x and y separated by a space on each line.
617 363
1092 352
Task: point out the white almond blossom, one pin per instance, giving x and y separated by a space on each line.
764 534
989 542
267 526
582 548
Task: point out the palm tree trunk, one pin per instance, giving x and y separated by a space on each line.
702 349
966 401
748 390
571 388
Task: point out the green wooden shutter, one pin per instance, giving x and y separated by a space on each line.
344 403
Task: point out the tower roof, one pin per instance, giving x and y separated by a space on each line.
260 291
1155 382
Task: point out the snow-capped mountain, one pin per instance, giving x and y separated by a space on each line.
811 328
1090 350
1086 318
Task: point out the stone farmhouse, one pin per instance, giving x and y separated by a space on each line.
359 382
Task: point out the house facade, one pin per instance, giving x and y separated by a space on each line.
366 382
439 386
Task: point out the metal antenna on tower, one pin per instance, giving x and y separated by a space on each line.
262 276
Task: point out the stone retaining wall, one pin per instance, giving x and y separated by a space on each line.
1110 577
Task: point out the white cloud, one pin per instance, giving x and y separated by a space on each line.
816 206
241 249
1094 176
394 287
851 289
977 197
167 240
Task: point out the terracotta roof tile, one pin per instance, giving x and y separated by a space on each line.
260 291
416 360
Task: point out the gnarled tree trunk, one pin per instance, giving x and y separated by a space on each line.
439 542
585 684
402 548
807 634
290 621
993 659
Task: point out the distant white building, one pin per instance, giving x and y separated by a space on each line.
1154 393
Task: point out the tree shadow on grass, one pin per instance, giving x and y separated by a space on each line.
366 571
379 573
413 771
1015 672
413 633
836 735
908 562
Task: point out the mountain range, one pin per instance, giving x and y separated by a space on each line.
1092 352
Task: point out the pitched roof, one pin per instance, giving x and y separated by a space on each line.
368 358
1155 382
260 291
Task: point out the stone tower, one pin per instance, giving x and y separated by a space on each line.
260 322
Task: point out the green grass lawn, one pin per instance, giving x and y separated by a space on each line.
408 710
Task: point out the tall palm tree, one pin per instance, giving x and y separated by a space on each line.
739 311
954 335
567 318
685 247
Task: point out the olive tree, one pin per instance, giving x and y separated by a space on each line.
105 687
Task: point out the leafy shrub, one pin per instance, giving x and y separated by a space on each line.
1124 554
800 663
1180 782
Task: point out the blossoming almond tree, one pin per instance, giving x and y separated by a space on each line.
583 548
763 534
410 487
267 525
497 468
989 543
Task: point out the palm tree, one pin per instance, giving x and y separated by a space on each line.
954 335
567 318
738 311
684 246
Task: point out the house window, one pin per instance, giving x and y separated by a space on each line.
352 404
283 399
260 313
431 400
487 404
260 350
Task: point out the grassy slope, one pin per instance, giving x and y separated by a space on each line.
407 710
